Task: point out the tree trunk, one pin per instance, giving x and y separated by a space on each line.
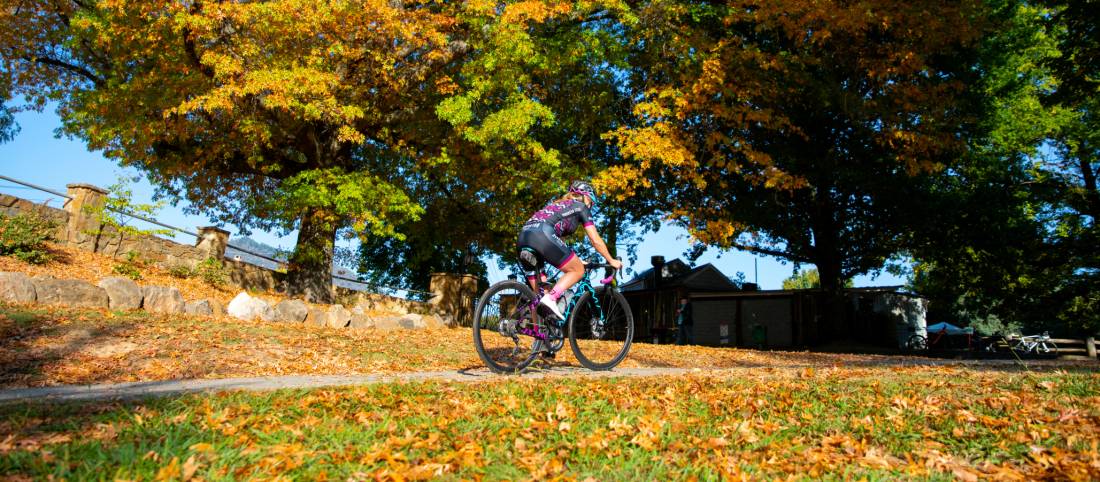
833 320
309 274
827 258
1088 178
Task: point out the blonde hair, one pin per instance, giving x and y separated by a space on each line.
571 196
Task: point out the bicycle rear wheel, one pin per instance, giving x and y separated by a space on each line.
601 329
1046 348
917 343
505 336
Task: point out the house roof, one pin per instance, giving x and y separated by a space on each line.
677 274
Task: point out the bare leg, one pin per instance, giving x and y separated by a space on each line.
572 272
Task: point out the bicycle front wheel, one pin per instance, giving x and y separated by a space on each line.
601 329
505 335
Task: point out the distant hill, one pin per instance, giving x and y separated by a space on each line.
257 247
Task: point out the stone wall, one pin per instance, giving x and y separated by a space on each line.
78 228
380 302
252 277
11 206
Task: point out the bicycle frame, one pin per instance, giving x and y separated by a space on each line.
583 286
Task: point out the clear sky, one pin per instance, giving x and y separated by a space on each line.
37 156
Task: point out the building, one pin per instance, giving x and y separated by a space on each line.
735 314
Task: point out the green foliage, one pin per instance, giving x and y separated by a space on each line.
24 237
8 127
181 271
803 280
131 267
213 272
808 279
1010 242
119 201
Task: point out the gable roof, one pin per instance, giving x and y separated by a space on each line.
677 274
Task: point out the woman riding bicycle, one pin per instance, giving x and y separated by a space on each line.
540 239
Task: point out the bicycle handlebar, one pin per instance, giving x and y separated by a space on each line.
607 280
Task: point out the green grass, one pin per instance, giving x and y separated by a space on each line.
881 424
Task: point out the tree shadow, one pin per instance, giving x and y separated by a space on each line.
35 338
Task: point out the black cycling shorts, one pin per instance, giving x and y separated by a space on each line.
546 243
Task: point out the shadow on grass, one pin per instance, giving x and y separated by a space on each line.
35 338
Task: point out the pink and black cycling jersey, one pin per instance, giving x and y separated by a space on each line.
564 216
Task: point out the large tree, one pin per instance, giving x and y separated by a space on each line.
263 114
1016 239
540 85
797 129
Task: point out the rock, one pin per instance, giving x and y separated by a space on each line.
360 321
292 311
122 293
338 316
245 307
447 320
68 292
433 322
388 323
412 322
17 288
202 307
162 299
317 317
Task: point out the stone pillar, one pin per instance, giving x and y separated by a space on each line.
83 222
454 295
212 241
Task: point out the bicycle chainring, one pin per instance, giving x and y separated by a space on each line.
598 328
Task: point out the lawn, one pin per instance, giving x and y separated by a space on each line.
885 423
42 346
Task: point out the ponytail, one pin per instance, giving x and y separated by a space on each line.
570 196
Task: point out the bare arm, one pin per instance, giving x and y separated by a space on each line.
601 247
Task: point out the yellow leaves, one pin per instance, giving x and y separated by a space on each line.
537 11
169 472
201 447
190 466
648 434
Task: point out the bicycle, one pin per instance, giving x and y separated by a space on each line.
510 333
916 343
1036 345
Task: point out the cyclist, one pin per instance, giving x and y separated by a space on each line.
541 236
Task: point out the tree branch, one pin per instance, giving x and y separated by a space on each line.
76 69
190 47
770 252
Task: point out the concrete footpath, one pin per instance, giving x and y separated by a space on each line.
139 390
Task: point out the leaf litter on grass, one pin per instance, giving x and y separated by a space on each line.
853 423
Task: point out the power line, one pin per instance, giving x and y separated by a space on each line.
27 185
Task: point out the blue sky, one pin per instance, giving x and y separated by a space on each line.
37 156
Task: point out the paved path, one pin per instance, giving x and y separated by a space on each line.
137 390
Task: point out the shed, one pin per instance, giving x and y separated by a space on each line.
727 313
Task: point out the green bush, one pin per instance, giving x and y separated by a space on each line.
181 271
130 267
24 237
213 272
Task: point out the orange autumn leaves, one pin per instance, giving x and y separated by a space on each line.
788 96
915 422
